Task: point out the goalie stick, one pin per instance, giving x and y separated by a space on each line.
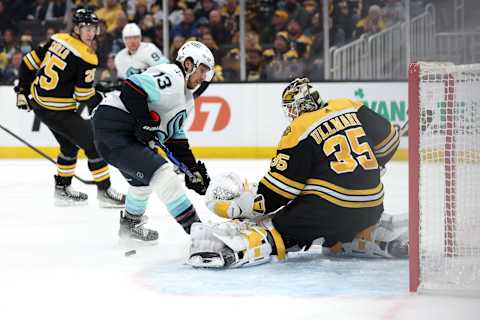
43 154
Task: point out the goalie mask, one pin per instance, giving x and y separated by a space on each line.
298 98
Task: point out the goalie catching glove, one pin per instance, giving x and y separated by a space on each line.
229 198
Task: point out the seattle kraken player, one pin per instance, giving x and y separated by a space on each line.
137 56
124 128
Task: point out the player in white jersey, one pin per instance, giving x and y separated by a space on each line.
137 56
124 130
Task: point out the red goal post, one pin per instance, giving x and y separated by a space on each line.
444 178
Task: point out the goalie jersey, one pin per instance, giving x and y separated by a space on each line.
147 55
332 155
167 95
60 73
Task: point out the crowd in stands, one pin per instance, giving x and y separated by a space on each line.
284 39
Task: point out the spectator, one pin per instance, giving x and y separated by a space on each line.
206 6
393 12
231 14
217 28
141 11
117 40
5 18
208 40
178 41
343 23
296 11
104 43
279 23
147 24
187 27
298 41
48 34
56 10
40 10
26 43
109 74
9 43
255 67
11 72
372 23
282 61
110 13
231 65
203 26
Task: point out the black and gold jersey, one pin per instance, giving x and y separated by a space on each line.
64 71
330 155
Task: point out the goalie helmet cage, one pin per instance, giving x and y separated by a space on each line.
444 178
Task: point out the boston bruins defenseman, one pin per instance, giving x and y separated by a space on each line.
325 182
53 79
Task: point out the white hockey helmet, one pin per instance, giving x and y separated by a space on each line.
131 30
298 98
200 54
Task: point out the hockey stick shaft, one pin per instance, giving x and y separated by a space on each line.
174 160
40 152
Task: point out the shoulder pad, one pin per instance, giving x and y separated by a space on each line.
77 47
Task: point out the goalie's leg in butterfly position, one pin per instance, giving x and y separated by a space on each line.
324 182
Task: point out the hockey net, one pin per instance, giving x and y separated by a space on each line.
444 178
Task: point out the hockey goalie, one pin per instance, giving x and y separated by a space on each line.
324 182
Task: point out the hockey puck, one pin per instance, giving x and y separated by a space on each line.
130 253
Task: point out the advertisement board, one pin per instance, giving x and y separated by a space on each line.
243 120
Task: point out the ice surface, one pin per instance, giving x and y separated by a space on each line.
67 263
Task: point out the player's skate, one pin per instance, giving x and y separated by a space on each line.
65 195
110 198
132 227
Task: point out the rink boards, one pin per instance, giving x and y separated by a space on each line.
236 120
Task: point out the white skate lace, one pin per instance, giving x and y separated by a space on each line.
114 194
73 193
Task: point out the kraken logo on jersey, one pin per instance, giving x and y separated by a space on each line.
174 126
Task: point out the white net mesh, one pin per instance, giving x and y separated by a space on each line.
449 189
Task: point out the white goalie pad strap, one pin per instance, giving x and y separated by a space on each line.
392 227
248 243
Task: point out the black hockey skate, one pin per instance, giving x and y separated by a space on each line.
132 227
65 195
110 198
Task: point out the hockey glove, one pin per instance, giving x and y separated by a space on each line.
146 130
200 181
22 102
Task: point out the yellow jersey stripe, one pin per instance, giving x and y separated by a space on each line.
277 190
84 98
80 89
27 62
59 100
329 185
345 204
102 178
35 57
389 150
288 181
387 139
